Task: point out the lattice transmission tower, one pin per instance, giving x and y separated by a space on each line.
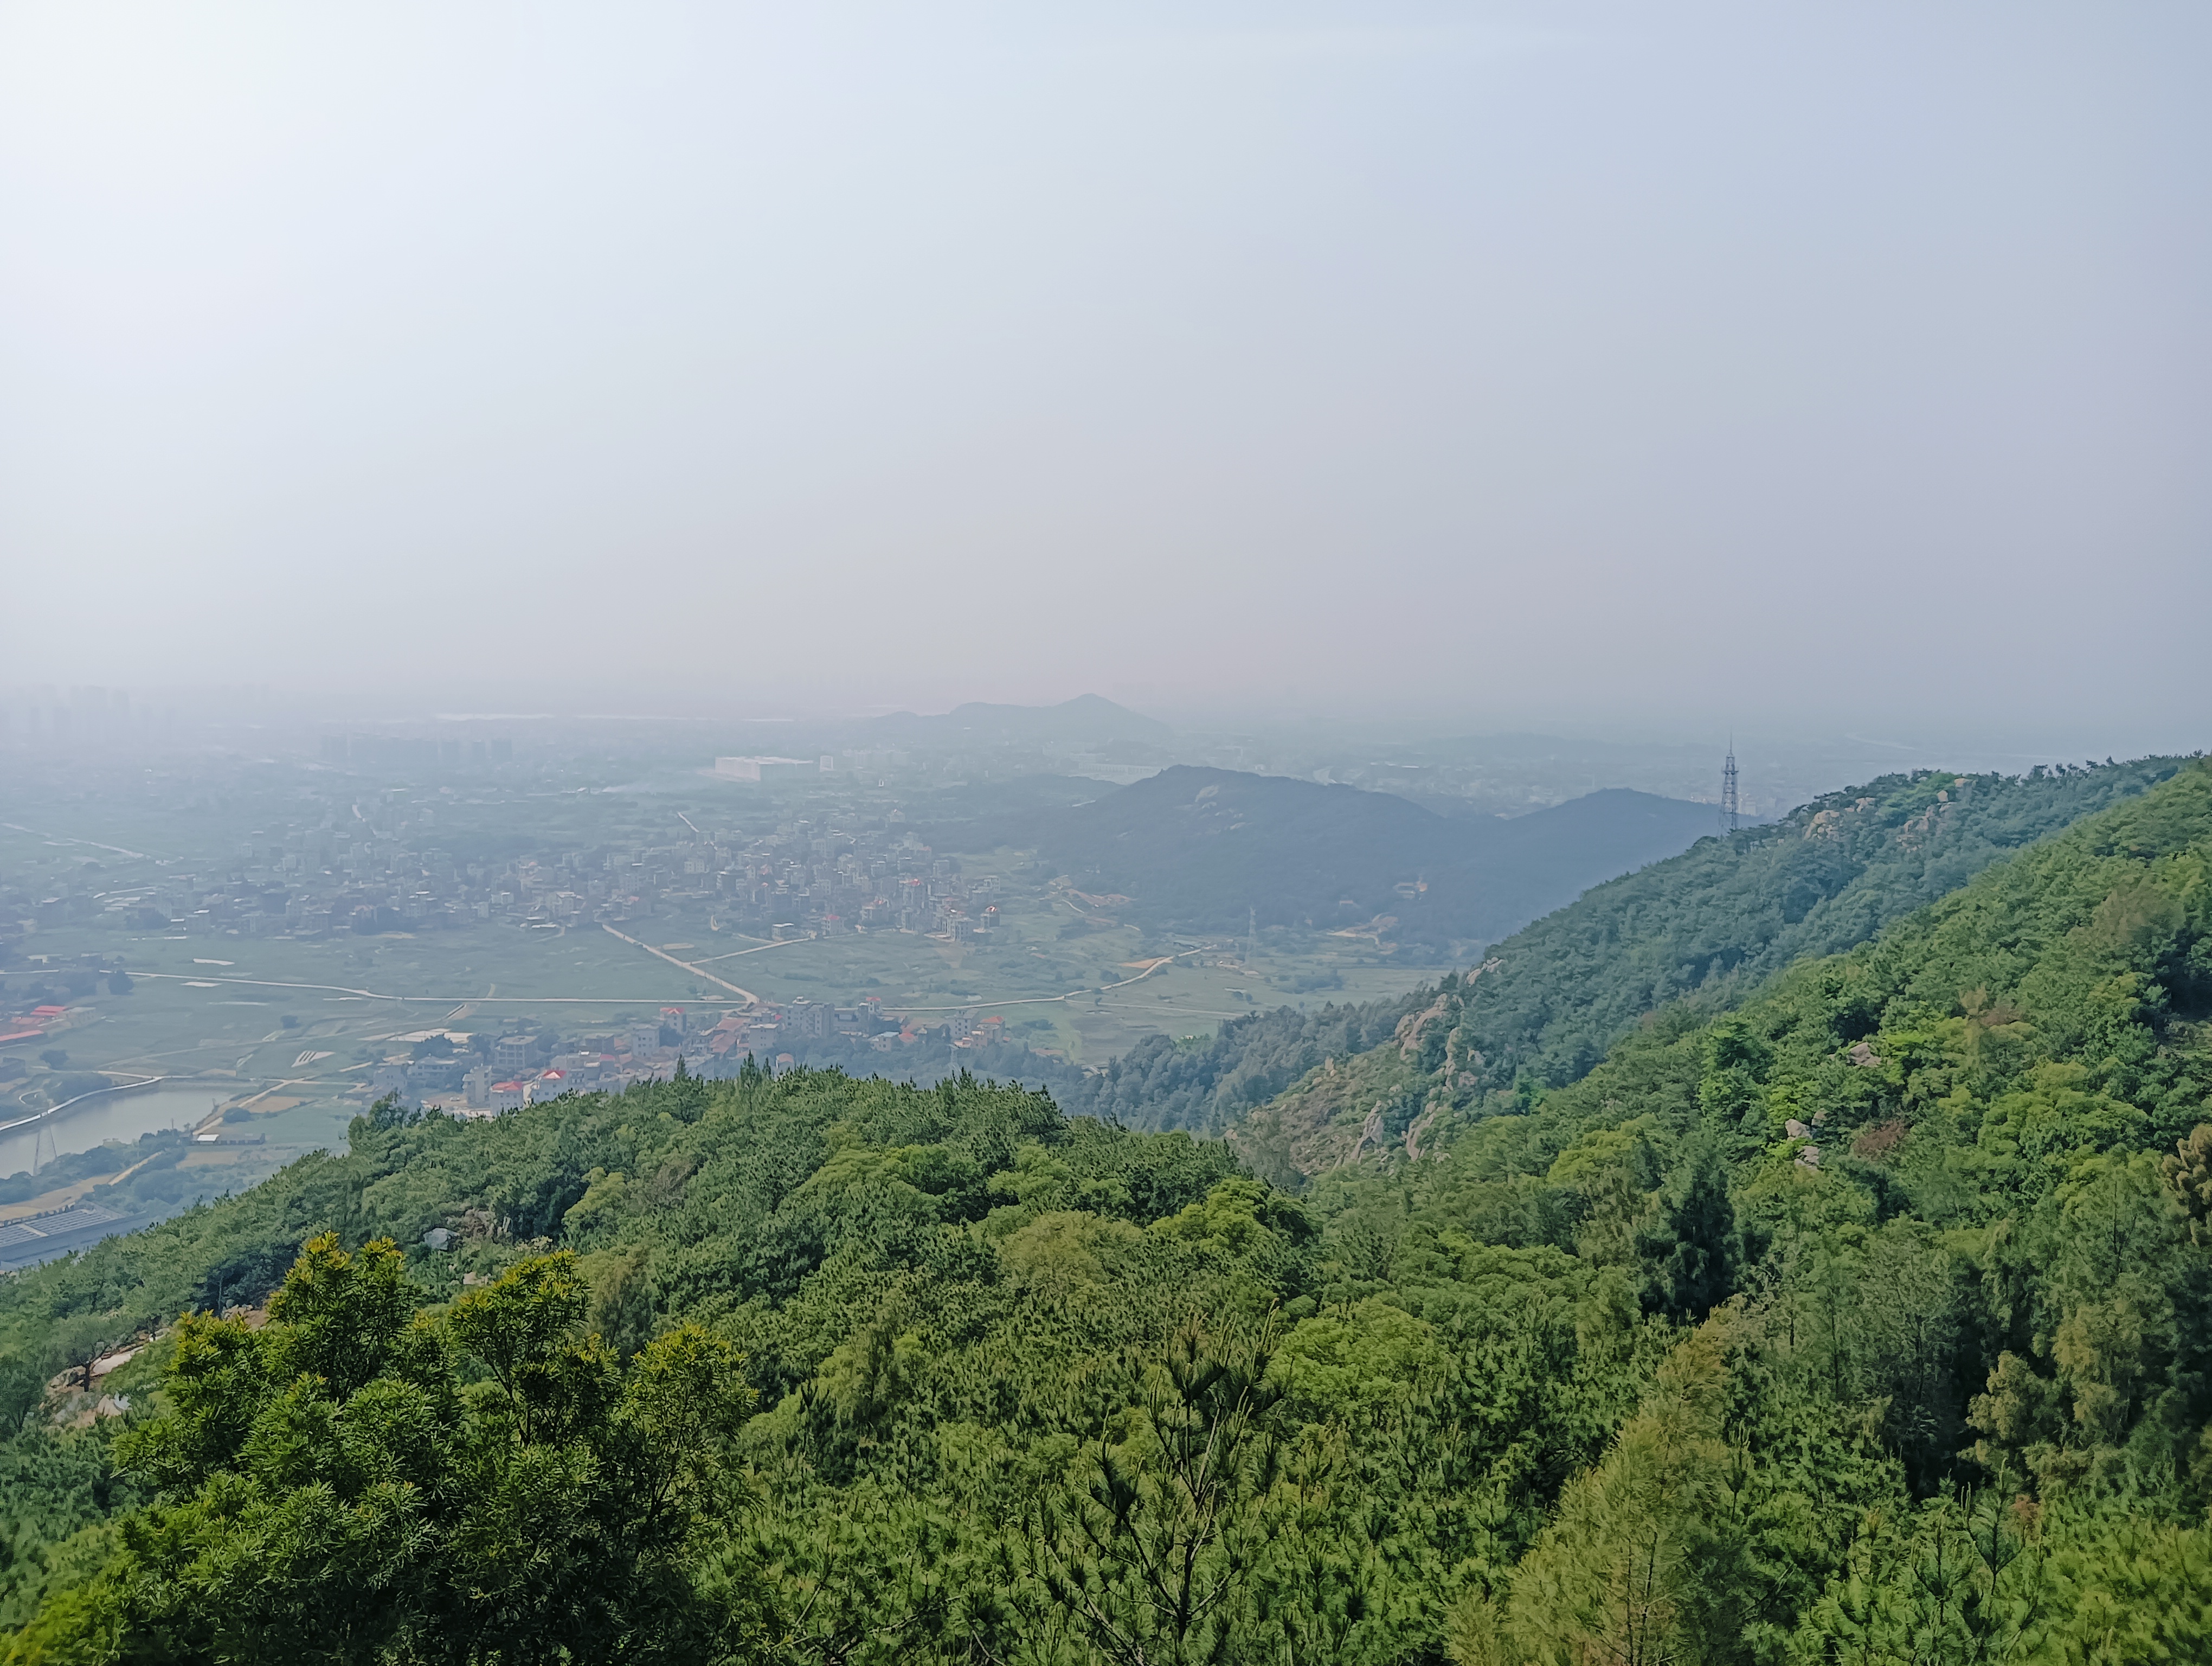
1728 808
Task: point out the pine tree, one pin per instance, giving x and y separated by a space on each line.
1696 1248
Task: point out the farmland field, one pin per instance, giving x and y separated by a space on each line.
275 1035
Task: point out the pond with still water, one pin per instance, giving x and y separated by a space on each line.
108 1116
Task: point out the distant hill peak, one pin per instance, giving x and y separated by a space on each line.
1086 717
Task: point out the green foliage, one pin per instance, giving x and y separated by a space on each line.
1694 1245
54 1487
334 1486
1703 928
1867 1319
1710 925
1150 1551
1158 1084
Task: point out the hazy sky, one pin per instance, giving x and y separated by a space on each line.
1672 362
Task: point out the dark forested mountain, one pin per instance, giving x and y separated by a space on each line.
1087 718
1868 1320
1199 849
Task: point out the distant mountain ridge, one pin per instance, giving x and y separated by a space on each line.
1088 717
1206 850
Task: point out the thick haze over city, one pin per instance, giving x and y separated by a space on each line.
1638 370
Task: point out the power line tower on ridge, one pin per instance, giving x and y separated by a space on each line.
1728 810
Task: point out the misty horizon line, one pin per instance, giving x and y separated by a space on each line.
218 705
1960 742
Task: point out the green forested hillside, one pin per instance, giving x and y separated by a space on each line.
1706 926
813 1369
1202 1084
1718 918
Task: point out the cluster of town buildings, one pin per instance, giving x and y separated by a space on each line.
385 872
473 1080
378 866
34 1025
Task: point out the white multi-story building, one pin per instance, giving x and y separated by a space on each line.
767 768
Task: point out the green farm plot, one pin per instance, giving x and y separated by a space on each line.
214 1003
318 1121
1089 995
496 963
300 1020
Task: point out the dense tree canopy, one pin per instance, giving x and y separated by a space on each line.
1867 1319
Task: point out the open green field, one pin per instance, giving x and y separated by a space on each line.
217 1003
